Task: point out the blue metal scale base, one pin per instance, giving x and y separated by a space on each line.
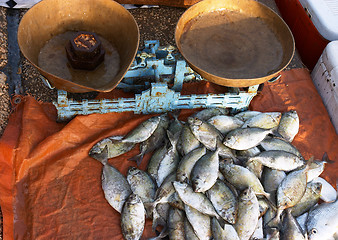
149 77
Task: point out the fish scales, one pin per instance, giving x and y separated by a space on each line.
322 221
133 218
289 125
204 132
187 163
188 141
242 177
154 141
195 200
205 172
247 215
143 131
200 222
266 120
224 201
228 232
176 224
109 148
245 138
279 160
115 187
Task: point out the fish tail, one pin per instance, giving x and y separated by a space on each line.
173 138
104 156
326 158
274 222
137 158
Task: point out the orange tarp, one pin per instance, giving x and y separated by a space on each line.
51 189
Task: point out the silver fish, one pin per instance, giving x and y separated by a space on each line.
143 131
266 120
176 224
228 232
317 167
133 218
290 191
154 141
205 172
309 199
224 123
175 201
271 179
245 138
246 115
163 195
141 184
328 193
208 113
244 154
322 221
272 234
289 125
155 160
204 132
302 221
188 141
273 143
170 160
247 215
224 151
224 201
258 233
115 187
200 222
279 160
194 199
291 230
242 177
109 148
255 167
189 231
187 163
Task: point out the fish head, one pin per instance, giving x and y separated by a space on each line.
132 170
230 140
314 234
316 187
247 194
195 121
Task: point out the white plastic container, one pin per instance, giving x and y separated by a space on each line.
324 15
325 78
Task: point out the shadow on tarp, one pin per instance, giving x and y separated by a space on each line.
51 189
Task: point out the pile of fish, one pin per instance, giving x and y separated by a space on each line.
219 176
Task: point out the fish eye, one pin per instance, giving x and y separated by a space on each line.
314 231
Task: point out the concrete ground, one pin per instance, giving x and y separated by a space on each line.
154 23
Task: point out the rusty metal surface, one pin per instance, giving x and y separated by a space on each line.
106 18
234 43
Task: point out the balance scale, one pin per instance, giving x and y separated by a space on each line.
157 68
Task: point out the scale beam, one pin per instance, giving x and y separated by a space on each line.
162 66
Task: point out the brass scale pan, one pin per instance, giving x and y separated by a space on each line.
231 43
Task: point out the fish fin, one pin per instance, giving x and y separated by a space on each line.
175 113
308 163
161 235
152 210
326 158
173 138
137 158
103 157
